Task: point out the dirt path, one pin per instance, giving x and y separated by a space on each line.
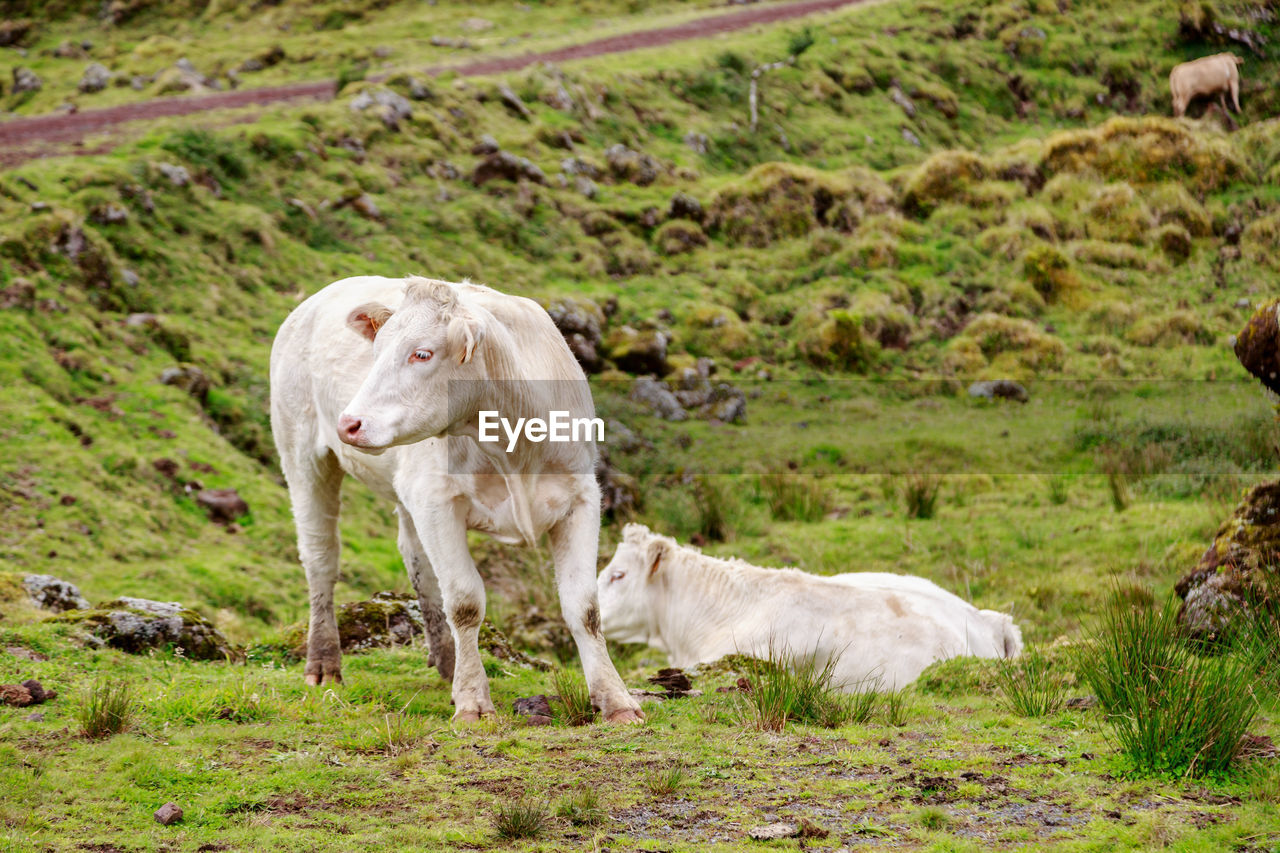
41 136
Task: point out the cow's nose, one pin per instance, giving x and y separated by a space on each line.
349 427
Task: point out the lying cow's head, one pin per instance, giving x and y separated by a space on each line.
431 339
628 589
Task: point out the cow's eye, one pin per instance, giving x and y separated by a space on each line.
421 355
617 576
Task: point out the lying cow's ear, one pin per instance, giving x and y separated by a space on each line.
368 319
464 335
657 552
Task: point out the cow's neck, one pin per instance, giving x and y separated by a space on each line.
704 599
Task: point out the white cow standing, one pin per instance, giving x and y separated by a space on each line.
383 379
881 630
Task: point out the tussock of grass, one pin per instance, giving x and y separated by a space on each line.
1030 684
665 781
107 708
582 807
575 701
791 687
523 818
1170 709
794 497
920 495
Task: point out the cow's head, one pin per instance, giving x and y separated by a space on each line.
431 339
628 589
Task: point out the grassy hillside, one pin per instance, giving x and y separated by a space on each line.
935 192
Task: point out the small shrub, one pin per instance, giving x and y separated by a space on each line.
107 708
794 497
895 707
665 781
523 818
574 697
920 495
933 817
1170 710
582 808
1029 685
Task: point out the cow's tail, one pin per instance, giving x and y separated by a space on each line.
1008 636
1239 59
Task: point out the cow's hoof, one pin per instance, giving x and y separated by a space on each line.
315 678
625 717
466 717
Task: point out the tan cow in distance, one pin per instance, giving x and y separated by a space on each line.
1209 75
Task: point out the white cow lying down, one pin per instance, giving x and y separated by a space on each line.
882 630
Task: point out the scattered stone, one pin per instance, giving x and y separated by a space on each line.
900 98
12 32
1082 703
393 107
26 80
1001 389
774 832
130 277
223 505
579 321
385 621
535 709
507 166
911 137
364 205
141 320
638 350
623 439
26 654
168 814
189 378
138 625
34 717
698 142
585 187
634 166
658 397
685 206
443 41
110 214
726 404
486 146
96 78
512 101
477 25
177 175
50 593
578 166
1244 302
418 91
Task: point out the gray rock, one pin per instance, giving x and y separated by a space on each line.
1244 302
385 621
512 101
110 214
911 137
26 80
419 91
189 378
34 717
177 175
392 107
96 78
685 206
774 832
1002 389
168 814
138 625
726 404
507 166
579 321
486 146
130 277
900 98
223 505
585 187
620 437
578 166
54 594
697 142
659 398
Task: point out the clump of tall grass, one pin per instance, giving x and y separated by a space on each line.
790 687
522 818
794 497
575 700
106 708
920 494
582 807
1029 684
665 781
1170 709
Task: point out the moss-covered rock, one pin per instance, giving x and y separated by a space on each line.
1258 345
138 625
678 237
638 350
1238 569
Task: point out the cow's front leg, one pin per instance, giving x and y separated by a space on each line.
443 532
574 543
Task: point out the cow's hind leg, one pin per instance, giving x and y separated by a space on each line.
423 578
1235 93
574 542
315 486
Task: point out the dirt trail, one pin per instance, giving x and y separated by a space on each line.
38 136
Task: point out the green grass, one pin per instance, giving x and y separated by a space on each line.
1031 684
106 708
575 702
524 818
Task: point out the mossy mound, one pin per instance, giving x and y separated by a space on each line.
1238 569
1176 328
835 338
776 201
1260 241
957 176
1012 347
137 626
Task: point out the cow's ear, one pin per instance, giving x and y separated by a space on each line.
655 554
464 335
368 319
